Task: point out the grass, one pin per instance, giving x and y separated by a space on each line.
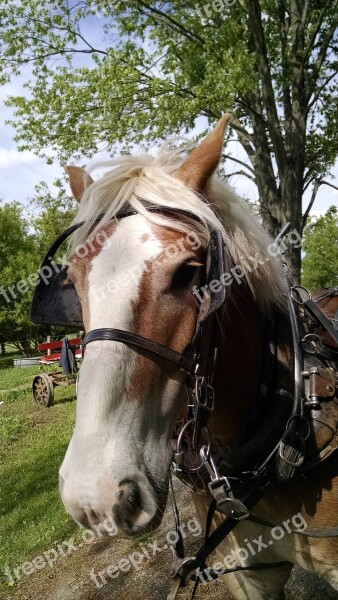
33 442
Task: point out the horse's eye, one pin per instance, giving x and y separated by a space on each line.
183 275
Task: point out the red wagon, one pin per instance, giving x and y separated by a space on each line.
43 384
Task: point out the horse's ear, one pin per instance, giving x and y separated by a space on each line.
79 180
203 160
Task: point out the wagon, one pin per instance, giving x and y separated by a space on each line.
43 384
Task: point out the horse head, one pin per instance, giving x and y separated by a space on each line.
138 274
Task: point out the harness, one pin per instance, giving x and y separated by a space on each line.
315 383
56 302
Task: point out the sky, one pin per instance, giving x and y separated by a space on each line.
20 172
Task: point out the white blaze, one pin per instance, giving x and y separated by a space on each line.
107 424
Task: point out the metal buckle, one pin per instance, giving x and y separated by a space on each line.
204 394
226 502
312 343
204 400
220 489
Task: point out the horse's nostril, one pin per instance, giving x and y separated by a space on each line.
119 495
129 503
135 496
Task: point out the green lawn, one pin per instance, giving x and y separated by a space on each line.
33 442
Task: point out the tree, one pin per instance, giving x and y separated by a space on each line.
320 263
21 253
51 214
158 66
18 262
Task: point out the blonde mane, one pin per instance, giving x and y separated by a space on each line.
139 181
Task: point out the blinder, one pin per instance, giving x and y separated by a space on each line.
55 301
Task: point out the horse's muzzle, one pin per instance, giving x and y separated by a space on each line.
129 504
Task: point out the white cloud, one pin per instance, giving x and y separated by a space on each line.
11 157
9 90
22 171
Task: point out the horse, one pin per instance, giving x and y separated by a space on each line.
181 292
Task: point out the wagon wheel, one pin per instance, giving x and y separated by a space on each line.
43 390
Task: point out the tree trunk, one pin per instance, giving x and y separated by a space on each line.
26 348
291 195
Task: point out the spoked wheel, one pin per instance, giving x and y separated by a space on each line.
43 390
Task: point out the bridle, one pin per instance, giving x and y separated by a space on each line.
182 360
56 302
59 304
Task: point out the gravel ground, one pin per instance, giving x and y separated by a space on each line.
71 578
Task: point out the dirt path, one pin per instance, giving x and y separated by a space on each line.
77 576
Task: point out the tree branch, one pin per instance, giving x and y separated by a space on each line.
237 125
241 173
329 184
319 91
307 52
316 186
174 24
320 60
284 26
315 189
306 7
240 162
268 96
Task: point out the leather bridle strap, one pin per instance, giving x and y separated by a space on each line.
318 314
320 533
185 360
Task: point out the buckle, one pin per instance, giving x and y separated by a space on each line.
204 400
204 394
226 502
221 491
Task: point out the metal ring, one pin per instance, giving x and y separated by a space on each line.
178 448
311 338
295 299
301 420
198 385
179 439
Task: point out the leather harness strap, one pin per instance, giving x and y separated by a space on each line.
318 314
184 360
187 569
327 533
